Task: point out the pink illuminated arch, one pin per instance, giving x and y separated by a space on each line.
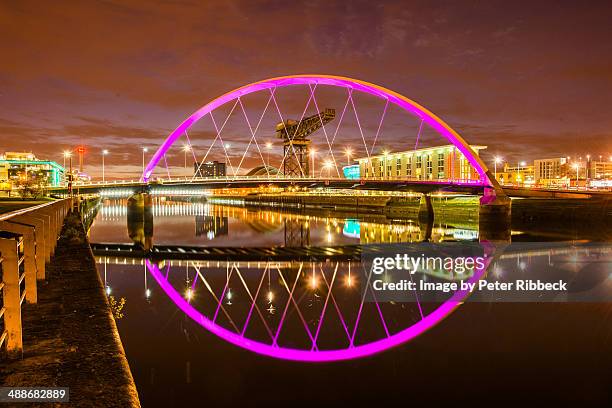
408 105
288 353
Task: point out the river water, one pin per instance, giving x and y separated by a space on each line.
262 308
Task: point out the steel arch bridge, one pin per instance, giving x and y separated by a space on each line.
293 132
389 97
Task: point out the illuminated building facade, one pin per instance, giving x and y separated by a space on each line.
351 172
17 167
551 172
209 169
432 163
600 170
520 175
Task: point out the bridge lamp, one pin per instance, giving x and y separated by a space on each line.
148 293
327 165
313 153
268 148
104 153
349 152
186 148
270 296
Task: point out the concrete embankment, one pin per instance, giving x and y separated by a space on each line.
70 336
459 211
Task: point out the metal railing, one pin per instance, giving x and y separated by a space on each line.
28 238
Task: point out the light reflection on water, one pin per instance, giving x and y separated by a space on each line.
178 222
167 350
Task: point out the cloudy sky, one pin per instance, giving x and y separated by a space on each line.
527 79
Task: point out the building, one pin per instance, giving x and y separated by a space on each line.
209 169
18 168
600 170
351 172
432 163
520 175
551 172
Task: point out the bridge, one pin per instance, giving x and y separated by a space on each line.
199 185
335 122
202 185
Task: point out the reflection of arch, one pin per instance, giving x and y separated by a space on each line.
274 350
408 105
264 171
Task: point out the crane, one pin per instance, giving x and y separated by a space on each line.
296 147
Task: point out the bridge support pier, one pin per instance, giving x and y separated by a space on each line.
140 220
426 217
494 221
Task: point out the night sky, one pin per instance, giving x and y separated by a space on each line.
528 79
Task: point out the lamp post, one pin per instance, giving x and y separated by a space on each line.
69 154
186 148
268 148
104 153
327 165
313 153
576 166
518 171
498 160
349 152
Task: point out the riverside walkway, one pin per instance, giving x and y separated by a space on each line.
69 336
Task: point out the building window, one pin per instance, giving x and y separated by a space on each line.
409 166
398 166
440 165
419 166
429 167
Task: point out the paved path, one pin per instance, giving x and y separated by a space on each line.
70 336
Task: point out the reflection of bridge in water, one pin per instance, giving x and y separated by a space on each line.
320 310
212 220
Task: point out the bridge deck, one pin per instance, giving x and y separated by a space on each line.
311 253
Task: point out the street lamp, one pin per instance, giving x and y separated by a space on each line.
186 148
104 153
69 155
268 148
66 154
327 165
518 171
498 160
349 152
313 153
576 167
